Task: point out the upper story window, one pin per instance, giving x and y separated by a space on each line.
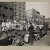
23 2
20 10
0 5
19 6
0 14
15 12
5 3
19 13
5 7
23 8
15 4
11 4
19 3
15 8
38 12
3 15
11 9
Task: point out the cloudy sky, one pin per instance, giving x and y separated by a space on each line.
42 7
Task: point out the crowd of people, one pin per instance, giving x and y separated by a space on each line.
30 33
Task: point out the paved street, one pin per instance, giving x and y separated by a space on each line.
45 41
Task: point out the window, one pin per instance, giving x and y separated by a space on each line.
15 4
23 8
19 13
0 6
0 2
38 12
44 16
11 4
20 10
3 15
15 8
11 17
15 12
19 6
4 20
23 11
23 15
11 9
0 14
20 3
23 2
5 7
5 3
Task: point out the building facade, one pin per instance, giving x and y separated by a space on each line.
6 10
19 10
34 16
41 19
48 21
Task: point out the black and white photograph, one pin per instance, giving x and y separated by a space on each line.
24 24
